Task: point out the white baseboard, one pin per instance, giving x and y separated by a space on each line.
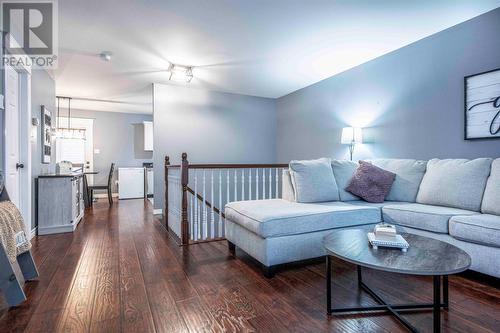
57 229
104 195
33 233
157 211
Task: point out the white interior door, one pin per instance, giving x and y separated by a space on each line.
12 133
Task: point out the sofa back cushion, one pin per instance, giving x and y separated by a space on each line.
409 174
457 183
491 198
287 192
343 171
313 181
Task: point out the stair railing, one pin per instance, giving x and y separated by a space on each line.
196 195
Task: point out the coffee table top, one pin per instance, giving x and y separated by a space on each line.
425 256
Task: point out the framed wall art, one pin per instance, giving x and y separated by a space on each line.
46 135
482 105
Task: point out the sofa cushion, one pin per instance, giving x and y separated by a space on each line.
424 217
376 204
287 192
409 174
370 182
455 183
313 181
491 198
277 217
482 229
343 171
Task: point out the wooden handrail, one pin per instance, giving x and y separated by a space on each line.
236 166
207 203
230 166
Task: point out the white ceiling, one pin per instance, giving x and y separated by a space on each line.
258 47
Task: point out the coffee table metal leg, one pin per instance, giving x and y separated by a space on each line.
328 285
436 310
394 310
445 292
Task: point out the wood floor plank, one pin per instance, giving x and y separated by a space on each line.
165 313
135 312
196 316
78 309
107 296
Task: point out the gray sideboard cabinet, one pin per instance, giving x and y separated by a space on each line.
60 203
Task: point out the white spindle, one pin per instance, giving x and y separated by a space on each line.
191 210
242 184
212 212
220 205
235 186
264 183
196 209
270 183
205 217
257 185
276 195
250 184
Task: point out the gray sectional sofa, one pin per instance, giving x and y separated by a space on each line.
454 200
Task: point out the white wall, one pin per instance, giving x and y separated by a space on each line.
211 127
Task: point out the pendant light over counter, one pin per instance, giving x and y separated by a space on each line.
67 132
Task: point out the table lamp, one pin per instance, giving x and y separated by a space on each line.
351 136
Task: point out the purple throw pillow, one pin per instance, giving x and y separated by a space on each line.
370 182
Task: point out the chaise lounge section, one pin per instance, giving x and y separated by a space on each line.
454 200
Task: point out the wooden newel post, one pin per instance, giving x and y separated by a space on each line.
165 211
184 213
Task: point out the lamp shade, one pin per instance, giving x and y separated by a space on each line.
351 135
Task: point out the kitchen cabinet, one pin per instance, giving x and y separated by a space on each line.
148 135
59 203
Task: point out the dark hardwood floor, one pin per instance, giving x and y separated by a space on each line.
120 271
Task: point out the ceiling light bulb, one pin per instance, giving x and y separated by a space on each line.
179 73
106 55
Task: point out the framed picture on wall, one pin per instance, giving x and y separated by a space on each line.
482 105
46 135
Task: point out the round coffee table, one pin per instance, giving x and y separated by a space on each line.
425 256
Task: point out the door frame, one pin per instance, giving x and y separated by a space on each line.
25 190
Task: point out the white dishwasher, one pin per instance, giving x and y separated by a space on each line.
130 183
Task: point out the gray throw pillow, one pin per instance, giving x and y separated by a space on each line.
313 181
371 183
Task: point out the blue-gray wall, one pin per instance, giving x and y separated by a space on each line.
410 101
212 127
42 93
120 139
